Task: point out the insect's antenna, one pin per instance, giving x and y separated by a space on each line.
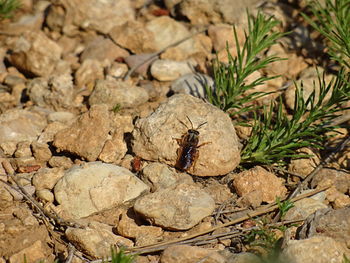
184 124
200 125
190 122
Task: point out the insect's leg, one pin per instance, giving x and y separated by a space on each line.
204 143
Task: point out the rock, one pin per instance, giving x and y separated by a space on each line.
336 198
96 240
168 70
190 254
202 12
222 35
45 195
303 208
87 74
41 151
82 138
101 49
99 15
8 148
134 36
167 31
35 54
116 70
155 136
318 249
304 166
161 176
258 181
61 116
219 192
179 207
61 162
279 67
115 148
144 235
18 125
23 150
33 253
26 23
332 177
50 131
57 93
244 257
119 93
46 178
134 60
330 223
194 84
93 187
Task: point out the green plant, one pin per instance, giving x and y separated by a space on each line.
332 20
117 108
121 257
284 206
7 7
275 137
231 79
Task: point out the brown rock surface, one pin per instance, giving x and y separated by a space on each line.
82 138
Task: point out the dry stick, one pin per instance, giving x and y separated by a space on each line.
160 52
308 178
264 210
71 251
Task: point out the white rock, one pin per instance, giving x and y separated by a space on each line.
96 239
95 186
167 70
194 84
316 249
119 93
155 136
179 207
18 125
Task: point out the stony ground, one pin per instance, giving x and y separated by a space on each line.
88 149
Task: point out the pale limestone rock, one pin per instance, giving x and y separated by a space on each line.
82 138
87 74
134 36
161 176
35 53
101 49
190 254
317 249
304 166
179 207
33 253
18 125
155 136
303 208
95 186
119 93
45 195
258 181
99 15
194 84
96 239
41 151
168 70
56 92
46 178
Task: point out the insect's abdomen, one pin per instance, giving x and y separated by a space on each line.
186 158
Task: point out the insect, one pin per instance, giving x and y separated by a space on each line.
188 150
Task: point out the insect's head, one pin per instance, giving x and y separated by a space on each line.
194 129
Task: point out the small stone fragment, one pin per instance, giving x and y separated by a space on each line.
45 195
96 186
82 138
258 180
179 207
60 162
87 74
33 253
318 249
115 93
194 84
303 208
190 254
41 151
168 70
46 178
96 240
35 53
